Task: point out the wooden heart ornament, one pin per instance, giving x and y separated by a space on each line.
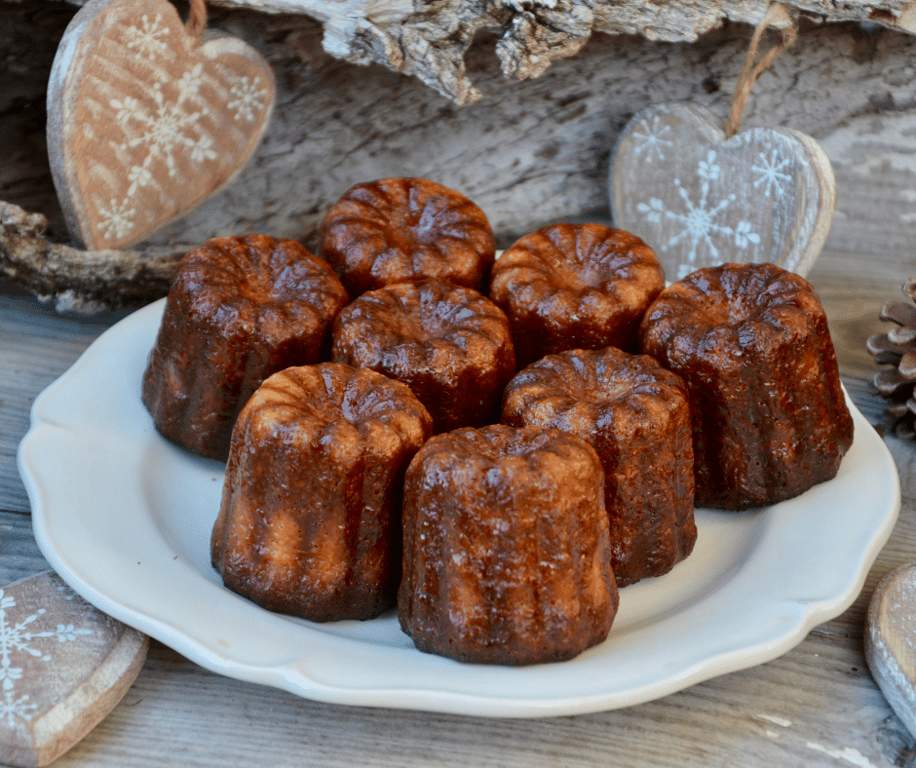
700 199
890 642
144 122
64 665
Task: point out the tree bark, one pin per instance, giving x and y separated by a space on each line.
429 40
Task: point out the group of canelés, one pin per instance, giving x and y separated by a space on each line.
494 446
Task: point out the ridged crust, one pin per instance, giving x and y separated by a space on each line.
506 555
769 416
450 345
309 522
575 286
239 309
636 416
398 229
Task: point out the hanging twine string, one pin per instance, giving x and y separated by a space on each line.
776 13
197 20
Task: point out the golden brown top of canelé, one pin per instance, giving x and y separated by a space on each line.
258 284
337 405
582 391
430 325
499 459
575 286
722 313
578 269
396 229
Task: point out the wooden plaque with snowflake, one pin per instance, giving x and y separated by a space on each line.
699 198
63 665
144 122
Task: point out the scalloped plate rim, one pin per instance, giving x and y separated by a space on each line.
318 664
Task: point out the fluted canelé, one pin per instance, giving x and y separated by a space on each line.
751 342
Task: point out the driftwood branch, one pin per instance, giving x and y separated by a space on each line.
76 280
429 40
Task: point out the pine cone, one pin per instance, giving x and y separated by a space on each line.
895 351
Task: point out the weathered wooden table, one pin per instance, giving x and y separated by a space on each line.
815 706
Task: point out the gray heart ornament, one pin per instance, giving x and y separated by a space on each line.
699 198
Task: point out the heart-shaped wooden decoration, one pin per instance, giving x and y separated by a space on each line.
64 665
699 199
890 642
143 122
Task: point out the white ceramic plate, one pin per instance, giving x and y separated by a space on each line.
124 517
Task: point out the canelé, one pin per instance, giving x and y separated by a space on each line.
238 310
769 415
309 522
397 229
506 550
451 345
636 416
575 286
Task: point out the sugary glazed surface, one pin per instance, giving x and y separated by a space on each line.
769 416
450 345
636 416
506 555
575 286
396 229
239 309
309 522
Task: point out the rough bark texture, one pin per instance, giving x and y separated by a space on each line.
527 152
429 40
77 280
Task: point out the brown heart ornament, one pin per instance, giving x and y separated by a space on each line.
64 665
699 199
144 121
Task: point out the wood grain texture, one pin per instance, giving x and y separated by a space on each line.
78 280
701 198
143 122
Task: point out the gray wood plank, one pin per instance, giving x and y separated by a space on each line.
37 345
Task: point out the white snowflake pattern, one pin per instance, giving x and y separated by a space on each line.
144 37
117 220
163 131
699 219
19 637
771 172
648 138
248 99
166 128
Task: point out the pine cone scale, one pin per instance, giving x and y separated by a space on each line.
895 354
907 365
899 312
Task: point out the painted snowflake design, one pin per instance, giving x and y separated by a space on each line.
21 638
248 99
649 139
117 219
771 172
147 37
699 221
162 132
